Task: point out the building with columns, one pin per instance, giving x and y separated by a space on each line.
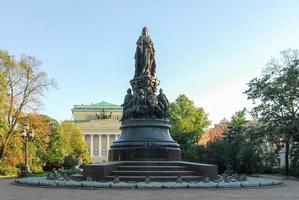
99 124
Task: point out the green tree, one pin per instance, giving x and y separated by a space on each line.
187 122
276 95
238 120
78 148
6 63
59 146
217 152
24 86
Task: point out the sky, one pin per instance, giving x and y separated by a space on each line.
207 50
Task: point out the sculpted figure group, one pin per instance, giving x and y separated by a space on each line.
145 105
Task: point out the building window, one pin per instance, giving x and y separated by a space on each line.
87 141
96 145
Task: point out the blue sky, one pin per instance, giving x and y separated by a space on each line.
207 50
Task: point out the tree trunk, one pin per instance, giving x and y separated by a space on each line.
287 146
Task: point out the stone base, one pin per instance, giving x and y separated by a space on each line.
145 139
144 154
160 171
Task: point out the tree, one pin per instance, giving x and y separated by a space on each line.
7 61
59 146
239 119
78 148
187 122
276 98
24 86
213 134
39 146
217 152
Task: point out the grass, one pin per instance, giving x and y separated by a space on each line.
8 176
44 173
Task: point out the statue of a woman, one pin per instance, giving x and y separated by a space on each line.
145 55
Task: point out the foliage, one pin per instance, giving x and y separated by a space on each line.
243 146
23 85
295 160
7 170
58 146
38 147
247 158
6 61
186 118
187 122
70 162
53 146
14 157
239 119
276 96
78 148
213 133
217 152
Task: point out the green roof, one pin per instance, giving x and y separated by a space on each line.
103 105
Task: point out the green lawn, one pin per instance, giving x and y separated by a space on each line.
8 176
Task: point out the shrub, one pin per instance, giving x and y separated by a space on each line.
6 169
70 162
217 153
294 168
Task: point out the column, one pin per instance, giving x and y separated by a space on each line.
108 143
100 145
91 145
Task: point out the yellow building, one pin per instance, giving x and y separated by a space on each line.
99 124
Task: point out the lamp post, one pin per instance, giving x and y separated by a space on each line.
27 134
230 136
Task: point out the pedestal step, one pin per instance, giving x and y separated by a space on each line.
152 163
151 168
155 170
152 173
154 178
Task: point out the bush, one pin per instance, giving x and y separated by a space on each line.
70 162
194 153
73 171
50 166
294 168
217 153
247 159
6 169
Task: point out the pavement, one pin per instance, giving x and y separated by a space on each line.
9 191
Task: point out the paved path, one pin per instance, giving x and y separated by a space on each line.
13 192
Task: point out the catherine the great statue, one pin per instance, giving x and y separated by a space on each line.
145 63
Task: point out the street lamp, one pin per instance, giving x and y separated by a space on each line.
230 136
27 134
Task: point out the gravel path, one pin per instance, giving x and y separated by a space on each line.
13 192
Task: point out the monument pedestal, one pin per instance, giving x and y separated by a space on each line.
145 139
145 147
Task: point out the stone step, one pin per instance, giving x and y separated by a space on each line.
154 178
151 163
152 173
151 168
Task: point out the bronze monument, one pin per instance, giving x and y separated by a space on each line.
145 147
